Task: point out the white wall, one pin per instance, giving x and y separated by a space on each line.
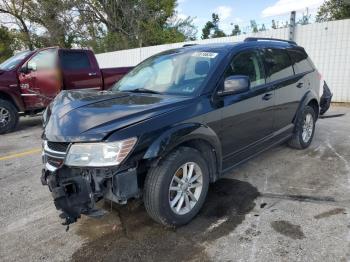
328 45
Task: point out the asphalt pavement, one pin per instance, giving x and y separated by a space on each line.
284 205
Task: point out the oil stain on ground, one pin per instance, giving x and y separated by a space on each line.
137 238
329 213
288 229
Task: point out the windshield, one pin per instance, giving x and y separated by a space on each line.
13 61
174 72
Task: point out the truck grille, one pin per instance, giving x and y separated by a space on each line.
58 146
55 153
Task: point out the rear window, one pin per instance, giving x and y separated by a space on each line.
300 61
278 64
75 60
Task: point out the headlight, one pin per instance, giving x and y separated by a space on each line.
99 154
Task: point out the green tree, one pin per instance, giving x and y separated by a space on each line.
236 30
16 9
132 23
6 40
254 26
56 17
333 10
262 28
305 19
211 28
274 26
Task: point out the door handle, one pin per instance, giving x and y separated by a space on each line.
300 85
92 74
267 96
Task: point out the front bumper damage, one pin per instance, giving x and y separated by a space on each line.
76 191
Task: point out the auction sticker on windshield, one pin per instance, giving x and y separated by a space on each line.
205 54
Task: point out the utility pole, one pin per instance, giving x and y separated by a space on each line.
292 26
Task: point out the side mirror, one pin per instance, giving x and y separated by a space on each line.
24 69
235 84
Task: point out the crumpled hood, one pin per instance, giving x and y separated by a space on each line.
90 116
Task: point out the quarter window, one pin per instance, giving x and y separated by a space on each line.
249 64
300 61
278 64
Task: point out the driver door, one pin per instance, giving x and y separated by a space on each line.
247 118
40 79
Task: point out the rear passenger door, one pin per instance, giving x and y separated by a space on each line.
79 70
303 68
280 76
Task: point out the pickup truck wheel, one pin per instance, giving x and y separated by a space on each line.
8 116
304 130
176 189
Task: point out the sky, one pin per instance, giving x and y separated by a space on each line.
242 11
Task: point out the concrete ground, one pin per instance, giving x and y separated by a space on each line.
284 205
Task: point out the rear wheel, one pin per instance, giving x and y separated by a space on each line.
175 190
304 130
8 116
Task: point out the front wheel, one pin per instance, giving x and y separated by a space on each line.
176 189
304 129
8 116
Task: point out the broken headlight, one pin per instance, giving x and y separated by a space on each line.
99 154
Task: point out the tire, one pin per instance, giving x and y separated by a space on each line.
8 117
299 140
157 192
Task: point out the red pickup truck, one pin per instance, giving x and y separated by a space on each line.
31 79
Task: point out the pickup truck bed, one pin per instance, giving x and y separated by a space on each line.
30 80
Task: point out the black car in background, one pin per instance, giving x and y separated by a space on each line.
175 124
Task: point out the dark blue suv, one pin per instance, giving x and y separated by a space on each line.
175 124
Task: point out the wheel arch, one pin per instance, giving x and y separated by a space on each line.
12 99
197 136
309 99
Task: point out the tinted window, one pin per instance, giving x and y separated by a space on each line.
44 60
278 64
75 60
249 64
300 61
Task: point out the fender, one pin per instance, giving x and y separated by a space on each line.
309 95
183 133
12 95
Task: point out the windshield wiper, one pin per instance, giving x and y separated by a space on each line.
143 90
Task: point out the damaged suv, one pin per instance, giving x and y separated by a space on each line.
174 124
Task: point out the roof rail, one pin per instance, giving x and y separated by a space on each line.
187 45
251 39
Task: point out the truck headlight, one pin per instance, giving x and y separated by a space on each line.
99 154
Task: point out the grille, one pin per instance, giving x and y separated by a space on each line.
58 146
54 162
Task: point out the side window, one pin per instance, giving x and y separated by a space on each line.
248 63
278 64
75 60
44 60
300 62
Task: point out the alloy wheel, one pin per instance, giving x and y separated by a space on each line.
308 127
185 188
4 117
